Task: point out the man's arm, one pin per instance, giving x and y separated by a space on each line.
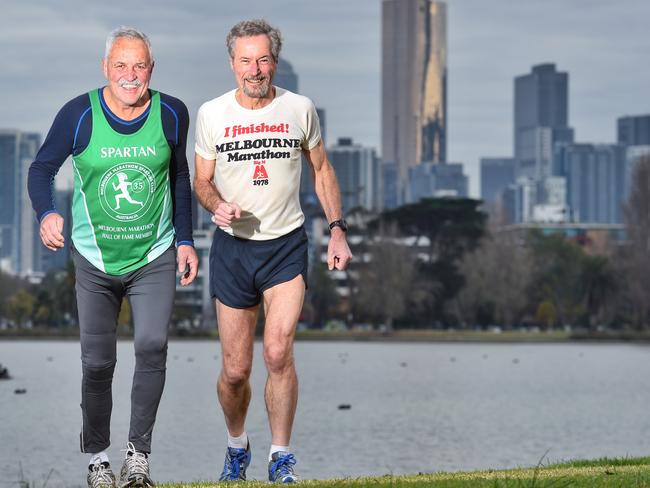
223 213
56 148
329 195
186 257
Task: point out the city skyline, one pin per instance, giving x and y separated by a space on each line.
53 54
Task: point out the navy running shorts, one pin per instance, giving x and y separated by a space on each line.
241 269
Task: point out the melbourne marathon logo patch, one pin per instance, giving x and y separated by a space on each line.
126 191
260 176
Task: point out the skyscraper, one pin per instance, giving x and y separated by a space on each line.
634 130
633 156
596 178
414 85
358 172
496 175
541 116
18 228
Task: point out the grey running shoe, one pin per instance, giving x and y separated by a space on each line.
100 475
135 470
234 467
281 468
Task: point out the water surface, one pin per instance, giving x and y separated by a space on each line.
413 408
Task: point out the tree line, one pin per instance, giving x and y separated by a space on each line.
441 263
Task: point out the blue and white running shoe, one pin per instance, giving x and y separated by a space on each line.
234 467
281 468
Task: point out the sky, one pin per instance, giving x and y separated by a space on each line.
51 52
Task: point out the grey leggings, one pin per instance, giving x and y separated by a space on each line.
150 291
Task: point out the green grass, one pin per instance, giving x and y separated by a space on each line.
601 473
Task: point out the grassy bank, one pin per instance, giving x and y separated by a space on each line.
603 473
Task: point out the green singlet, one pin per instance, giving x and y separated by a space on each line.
122 207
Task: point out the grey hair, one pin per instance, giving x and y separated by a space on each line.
129 33
255 27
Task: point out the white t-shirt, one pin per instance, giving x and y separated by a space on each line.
258 159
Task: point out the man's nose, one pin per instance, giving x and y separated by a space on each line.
130 73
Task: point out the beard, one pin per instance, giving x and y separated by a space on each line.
257 91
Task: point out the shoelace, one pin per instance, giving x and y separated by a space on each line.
136 462
235 462
284 464
100 474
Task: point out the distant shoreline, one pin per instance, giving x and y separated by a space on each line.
402 335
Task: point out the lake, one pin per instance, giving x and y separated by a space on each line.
414 407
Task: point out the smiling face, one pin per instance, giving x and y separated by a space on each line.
254 66
128 70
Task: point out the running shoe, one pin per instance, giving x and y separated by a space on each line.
234 467
281 468
135 470
100 475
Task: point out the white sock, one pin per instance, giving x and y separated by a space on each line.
100 457
276 448
240 442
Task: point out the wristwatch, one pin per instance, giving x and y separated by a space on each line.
341 223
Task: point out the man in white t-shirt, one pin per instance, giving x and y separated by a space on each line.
249 144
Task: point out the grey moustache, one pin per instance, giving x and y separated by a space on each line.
135 82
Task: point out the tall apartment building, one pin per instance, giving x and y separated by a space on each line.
633 130
595 181
359 174
496 175
19 239
541 119
414 85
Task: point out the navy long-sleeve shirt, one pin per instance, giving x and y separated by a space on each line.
70 134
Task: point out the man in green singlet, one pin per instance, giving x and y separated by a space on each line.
131 232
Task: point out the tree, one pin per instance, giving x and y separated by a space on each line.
634 260
511 278
321 294
473 299
43 315
8 285
599 284
452 226
59 285
42 308
497 275
557 274
20 306
387 283
546 315
124 318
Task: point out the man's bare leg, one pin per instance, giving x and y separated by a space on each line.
282 305
236 333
